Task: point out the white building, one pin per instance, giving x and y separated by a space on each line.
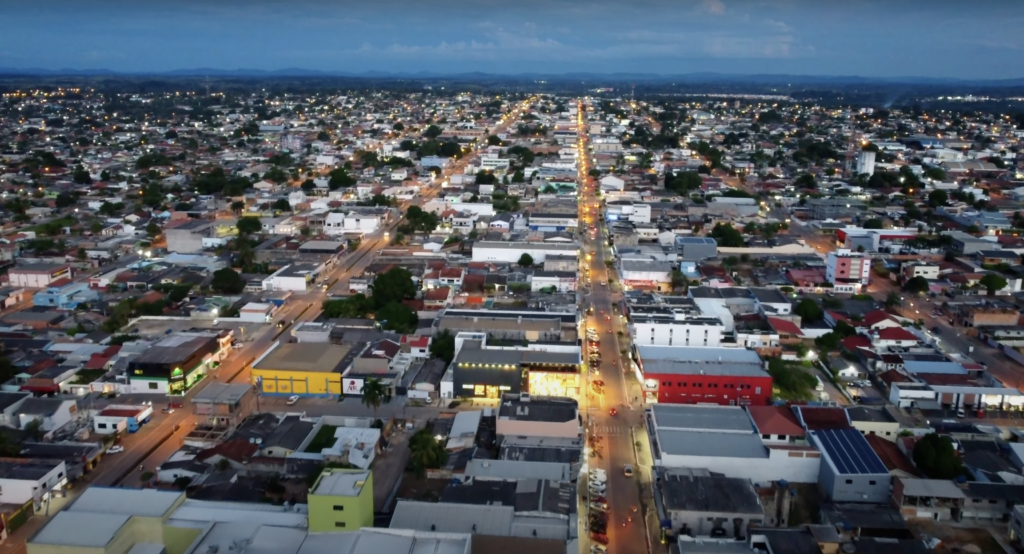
847 271
725 440
866 162
510 252
634 212
37 276
494 164
646 274
294 277
339 223
612 182
22 481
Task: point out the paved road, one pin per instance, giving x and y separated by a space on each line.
611 437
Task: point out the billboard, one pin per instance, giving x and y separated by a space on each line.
352 386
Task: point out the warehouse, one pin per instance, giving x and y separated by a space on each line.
703 375
850 469
174 364
510 252
312 369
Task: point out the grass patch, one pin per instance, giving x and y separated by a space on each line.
324 438
791 380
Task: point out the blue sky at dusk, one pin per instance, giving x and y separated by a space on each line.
876 38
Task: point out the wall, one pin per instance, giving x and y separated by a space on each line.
674 333
20 491
568 429
139 385
884 429
712 389
778 465
357 512
853 488
298 382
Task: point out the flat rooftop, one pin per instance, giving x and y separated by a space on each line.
221 393
710 444
28 470
707 493
311 357
702 418
701 367
341 483
130 502
174 349
538 408
80 529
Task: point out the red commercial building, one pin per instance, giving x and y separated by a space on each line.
703 375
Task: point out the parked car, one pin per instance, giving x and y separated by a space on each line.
627 470
293 399
961 413
115 449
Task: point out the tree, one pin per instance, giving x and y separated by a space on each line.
152 229
227 281
916 285
443 346
425 452
375 393
992 283
809 311
339 178
727 236
394 285
81 176
281 205
873 223
494 140
432 131
525 260
34 430
64 200
935 456
356 306
398 318
678 279
806 181
937 198
108 208
892 299
237 206
248 225
308 186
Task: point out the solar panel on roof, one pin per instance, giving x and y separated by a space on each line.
849 452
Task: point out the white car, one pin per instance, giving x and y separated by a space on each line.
115 450
598 549
597 488
293 399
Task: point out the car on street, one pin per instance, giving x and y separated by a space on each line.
168 410
604 283
599 538
627 470
293 399
598 549
961 413
613 411
598 507
115 449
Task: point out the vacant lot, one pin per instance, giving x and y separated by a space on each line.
956 540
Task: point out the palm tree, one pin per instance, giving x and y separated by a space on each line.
425 452
375 393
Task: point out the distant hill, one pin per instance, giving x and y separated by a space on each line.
686 78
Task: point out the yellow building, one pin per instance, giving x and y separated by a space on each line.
302 369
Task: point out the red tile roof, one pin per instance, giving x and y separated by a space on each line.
775 420
785 327
892 376
877 316
855 342
817 419
437 294
416 341
890 455
896 333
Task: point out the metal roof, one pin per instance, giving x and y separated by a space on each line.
453 518
132 502
848 452
705 444
80 529
731 419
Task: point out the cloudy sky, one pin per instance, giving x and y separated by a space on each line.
878 38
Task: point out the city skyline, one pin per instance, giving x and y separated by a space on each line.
797 37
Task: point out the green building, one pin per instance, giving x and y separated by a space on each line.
341 500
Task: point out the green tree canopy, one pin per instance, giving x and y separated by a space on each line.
525 260
249 225
935 456
398 318
937 198
992 283
282 205
809 311
227 281
916 285
726 235
394 285
443 346
873 223
356 306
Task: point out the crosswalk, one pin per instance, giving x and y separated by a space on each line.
603 430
